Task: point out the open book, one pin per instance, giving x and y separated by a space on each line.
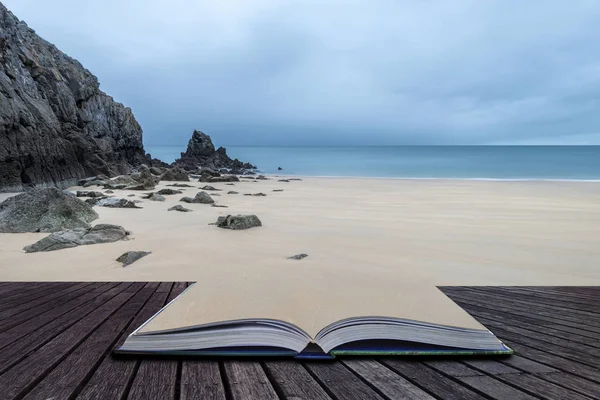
385 324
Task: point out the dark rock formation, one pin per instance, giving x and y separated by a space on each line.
181 185
222 178
101 233
238 222
201 197
255 194
56 125
201 153
132 256
298 256
157 171
175 174
208 187
154 197
179 208
168 192
279 169
233 192
44 210
112 202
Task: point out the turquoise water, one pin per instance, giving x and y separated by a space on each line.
465 162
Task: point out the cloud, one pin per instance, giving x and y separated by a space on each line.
339 72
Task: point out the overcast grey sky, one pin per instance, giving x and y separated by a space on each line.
340 72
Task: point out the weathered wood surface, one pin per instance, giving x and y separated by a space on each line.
56 341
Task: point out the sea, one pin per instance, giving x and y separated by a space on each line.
446 162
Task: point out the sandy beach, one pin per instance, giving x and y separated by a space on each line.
435 232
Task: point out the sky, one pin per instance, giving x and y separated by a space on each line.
373 72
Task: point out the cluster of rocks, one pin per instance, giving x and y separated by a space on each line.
201 153
201 197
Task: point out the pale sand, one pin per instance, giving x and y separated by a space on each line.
368 233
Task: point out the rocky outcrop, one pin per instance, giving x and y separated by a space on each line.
201 153
44 210
101 233
56 125
179 208
237 222
201 197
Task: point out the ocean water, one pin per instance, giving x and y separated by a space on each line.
463 162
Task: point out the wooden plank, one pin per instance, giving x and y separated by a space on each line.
452 368
538 298
475 300
18 287
21 348
555 361
574 383
21 377
72 372
26 327
527 365
494 388
549 306
584 354
291 380
340 382
385 381
40 306
431 380
28 295
154 380
247 380
540 387
491 367
535 322
552 335
157 379
113 377
589 299
201 380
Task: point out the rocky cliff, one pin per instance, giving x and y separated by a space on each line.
201 153
56 125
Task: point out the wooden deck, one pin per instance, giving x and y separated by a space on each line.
56 341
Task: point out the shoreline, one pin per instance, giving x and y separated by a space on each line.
432 178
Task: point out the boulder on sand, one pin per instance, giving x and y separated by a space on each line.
237 222
44 210
154 197
223 178
208 187
113 202
175 174
298 256
132 256
101 233
201 197
179 208
169 191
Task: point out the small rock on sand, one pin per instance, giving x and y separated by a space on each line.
230 184
298 256
237 222
233 192
219 205
84 193
261 178
113 202
208 187
169 191
294 179
254 194
181 185
108 192
179 208
278 190
132 256
201 197
101 233
154 197
283 180
131 195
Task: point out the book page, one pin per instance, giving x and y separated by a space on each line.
310 299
